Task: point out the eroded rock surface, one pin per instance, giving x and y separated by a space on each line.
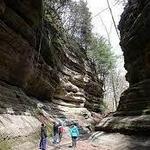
45 68
40 65
133 113
117 141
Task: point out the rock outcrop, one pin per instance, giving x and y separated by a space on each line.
117 141
133 113
20 63
43 74
38 57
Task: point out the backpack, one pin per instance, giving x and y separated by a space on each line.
74 132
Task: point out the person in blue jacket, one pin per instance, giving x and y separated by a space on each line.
74 132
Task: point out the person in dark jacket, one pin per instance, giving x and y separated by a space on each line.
43 140
60 131
56 133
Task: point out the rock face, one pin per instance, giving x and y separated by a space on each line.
43 73
133 113
117 141
20 64
41 60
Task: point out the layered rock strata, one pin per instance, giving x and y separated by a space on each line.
133 113
43 73
37 57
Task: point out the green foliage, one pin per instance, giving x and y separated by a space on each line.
50 129
75 18
100 53
54 8
103 106
78 22
4 145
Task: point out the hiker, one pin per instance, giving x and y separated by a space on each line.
56 138
74 132
60 131
43 140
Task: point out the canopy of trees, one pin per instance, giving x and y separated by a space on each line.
100 53
76 20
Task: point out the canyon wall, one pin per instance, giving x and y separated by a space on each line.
41 60
133 113
40 67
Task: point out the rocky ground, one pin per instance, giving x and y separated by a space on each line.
84 143
25 135
95 141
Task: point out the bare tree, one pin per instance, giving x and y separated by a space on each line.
121 2
115 85
113 19
114 90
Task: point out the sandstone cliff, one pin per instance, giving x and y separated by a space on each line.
40 67
133 113
39 58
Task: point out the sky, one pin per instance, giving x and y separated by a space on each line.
97 6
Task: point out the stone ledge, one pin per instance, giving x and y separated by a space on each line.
126 125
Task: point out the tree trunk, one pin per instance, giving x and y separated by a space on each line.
113 19
114 91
